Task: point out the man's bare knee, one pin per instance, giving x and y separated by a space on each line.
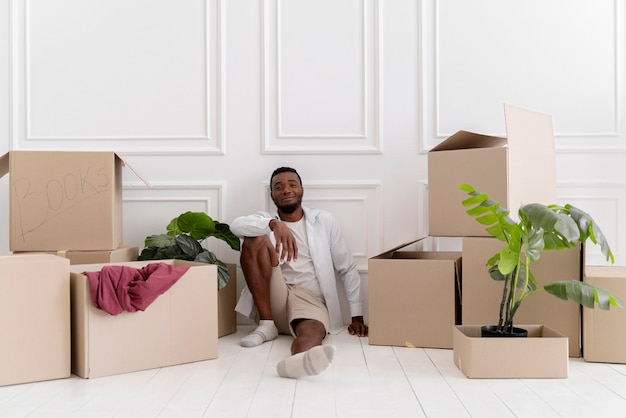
309 328
258 250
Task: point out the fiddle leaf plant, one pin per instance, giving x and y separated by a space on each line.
540 227
183 241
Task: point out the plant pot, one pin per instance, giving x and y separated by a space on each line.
490 332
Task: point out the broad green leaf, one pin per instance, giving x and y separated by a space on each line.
535 245
222 276
161 240
222 269
206 256
583 293
479 210
567 227
540 216
197 224
508 260
495 274
223 232
188 245
475 200
601 240
582 219
147 253
488 219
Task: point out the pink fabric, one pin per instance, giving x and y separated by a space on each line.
121 288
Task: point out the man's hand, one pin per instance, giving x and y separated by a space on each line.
286 247
358 327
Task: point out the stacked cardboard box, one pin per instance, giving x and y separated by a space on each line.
499 167
34 318
70 204
414 296
64 201
604 339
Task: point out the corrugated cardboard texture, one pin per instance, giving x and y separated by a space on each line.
413 298
34 318
604 332
486 163
226 301
482 294
542 355
180 326
65 201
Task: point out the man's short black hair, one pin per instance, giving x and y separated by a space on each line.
284 170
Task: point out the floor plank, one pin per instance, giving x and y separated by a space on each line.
364 381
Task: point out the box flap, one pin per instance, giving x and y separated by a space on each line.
4 164
531 144
386 253
137 173
468 140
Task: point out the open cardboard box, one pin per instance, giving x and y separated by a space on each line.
119 255
34 318
64 200
180 326
543 354
414 296
604 332
493 165
482 294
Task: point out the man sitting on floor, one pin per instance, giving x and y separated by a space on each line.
291 261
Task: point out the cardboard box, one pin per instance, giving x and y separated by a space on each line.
604 338
63 201
414 297
226 301
493 165
543 354
119 255
34 318
180 326
482 295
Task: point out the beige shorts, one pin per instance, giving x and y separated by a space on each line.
290 302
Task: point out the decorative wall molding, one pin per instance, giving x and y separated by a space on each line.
157 205
276 137
607 138
126 136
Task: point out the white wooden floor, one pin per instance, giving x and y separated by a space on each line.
364 381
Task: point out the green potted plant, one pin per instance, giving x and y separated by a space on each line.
183 240
540 227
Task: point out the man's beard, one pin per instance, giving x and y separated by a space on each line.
288 209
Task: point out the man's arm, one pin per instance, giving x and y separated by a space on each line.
262 223
253 225
348 274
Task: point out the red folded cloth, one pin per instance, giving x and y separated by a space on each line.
121 288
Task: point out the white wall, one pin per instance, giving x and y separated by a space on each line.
206 98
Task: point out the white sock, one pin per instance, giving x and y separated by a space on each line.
266 331
309 363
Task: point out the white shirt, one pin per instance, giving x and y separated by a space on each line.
301 272
330 255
